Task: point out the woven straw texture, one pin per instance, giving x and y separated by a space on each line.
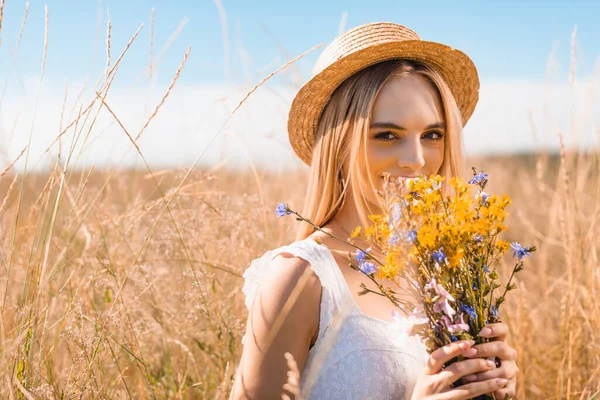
362 47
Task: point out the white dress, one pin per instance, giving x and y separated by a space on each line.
356 355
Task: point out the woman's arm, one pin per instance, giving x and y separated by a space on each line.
284 318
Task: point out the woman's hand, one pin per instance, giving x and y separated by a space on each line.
436 382
506 354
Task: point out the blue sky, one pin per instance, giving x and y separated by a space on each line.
506 39
510 42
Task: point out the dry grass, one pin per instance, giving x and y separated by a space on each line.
103 296
126 284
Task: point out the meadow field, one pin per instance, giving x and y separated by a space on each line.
126 283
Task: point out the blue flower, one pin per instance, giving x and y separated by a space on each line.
484 198
479 178
282 210
367 267
393 239
478 238
495 311
437 329
519 251
469 310
486 269
474 286
364 265
360 256
411 236
439 256
453 338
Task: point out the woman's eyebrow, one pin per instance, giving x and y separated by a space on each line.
391 125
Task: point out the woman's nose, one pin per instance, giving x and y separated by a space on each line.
410 156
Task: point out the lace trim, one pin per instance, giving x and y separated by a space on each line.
307 250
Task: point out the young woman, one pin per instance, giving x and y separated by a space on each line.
380 100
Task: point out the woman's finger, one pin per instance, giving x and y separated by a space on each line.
499 331
439 357
463 368
492 349
507 371
509 390
471 390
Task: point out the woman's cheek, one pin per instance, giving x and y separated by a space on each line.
434 159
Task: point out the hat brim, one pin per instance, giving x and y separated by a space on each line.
456 67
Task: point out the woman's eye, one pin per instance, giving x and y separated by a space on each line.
434 135
385 136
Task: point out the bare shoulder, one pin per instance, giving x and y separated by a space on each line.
288 277
284 318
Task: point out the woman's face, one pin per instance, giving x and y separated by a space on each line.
406 135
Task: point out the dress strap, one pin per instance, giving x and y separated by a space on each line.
334 292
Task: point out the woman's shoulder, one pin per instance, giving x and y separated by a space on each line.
281 269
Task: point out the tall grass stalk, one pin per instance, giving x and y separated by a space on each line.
120 283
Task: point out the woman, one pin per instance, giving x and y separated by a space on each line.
380 100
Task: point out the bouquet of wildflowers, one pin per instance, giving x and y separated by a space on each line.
438 254
442 251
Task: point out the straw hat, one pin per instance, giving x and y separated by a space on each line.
362 47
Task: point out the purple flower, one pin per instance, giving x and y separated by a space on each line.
438 289
442 305
470 311
479 178
393 240
484 197
458 326
486 269
495 311
411 236
361 255
519 251
367 267
439 256
442 292
431 285
282 210
478 238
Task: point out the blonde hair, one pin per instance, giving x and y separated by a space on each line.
341 138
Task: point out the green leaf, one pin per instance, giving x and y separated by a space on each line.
444 278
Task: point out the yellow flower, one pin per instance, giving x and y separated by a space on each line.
389 271
454 259
459 185
426 237
502 246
